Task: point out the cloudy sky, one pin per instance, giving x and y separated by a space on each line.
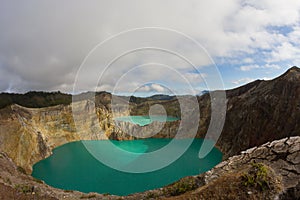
145 46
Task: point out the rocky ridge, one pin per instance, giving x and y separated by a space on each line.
261 111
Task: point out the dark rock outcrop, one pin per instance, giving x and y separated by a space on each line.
261 111
283 156
43 148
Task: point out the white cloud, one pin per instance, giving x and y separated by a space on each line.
45 42
158 88
242 81
248 80
266 66
248 67
271 66
294 36
248 60
285 52
195 78
267 78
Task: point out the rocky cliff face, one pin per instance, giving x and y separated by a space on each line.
29 134
156 129
258 112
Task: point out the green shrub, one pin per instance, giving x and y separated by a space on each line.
24 188
152 195
182 186
257 177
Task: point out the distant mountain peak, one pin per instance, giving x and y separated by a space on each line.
294 69
291 74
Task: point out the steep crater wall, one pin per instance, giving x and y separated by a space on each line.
29 134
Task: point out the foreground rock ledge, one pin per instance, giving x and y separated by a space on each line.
280 158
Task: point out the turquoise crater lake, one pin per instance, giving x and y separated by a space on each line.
145 120
72 167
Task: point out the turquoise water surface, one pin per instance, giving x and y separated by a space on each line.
72 167
145 120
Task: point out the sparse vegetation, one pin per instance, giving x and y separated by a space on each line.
24 188
35 99
182 186
257 177
152 195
